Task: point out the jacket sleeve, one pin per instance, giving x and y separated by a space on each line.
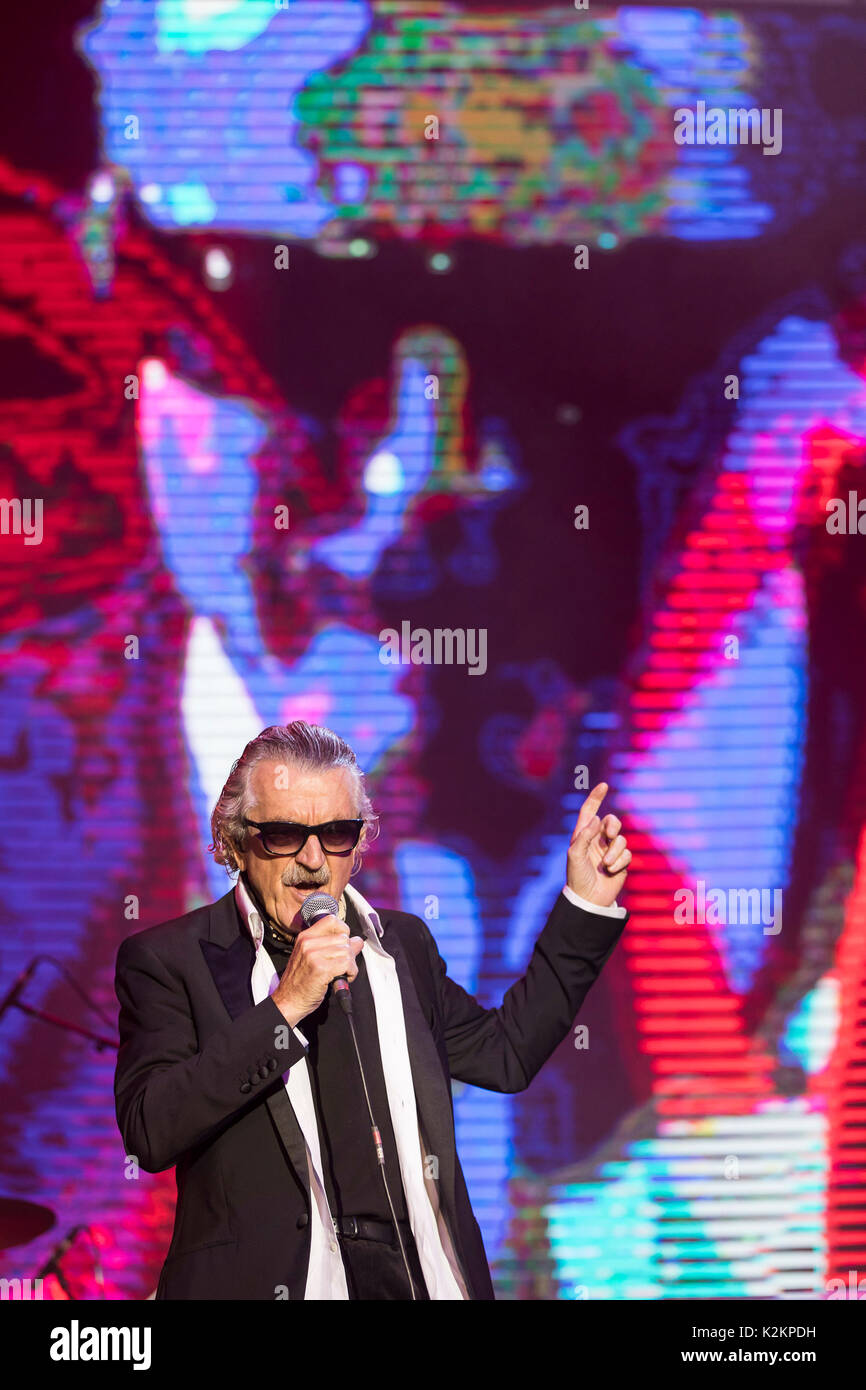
502 1049
171 1094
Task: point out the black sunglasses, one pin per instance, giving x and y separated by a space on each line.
289 837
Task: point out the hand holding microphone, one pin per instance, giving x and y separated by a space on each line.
324 953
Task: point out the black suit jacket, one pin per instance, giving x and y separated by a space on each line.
199 1083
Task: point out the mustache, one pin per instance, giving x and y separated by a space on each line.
313 877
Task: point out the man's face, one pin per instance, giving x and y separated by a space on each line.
311 798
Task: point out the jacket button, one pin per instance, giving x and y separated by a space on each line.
246 1087
272 1064
264 1073
302 1221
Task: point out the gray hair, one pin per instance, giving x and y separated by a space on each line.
307 747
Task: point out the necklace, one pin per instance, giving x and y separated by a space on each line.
285 944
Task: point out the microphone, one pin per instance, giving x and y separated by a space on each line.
317 906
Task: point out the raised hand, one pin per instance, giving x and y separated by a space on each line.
598 857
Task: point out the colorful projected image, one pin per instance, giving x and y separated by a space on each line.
439 122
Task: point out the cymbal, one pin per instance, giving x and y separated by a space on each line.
21 1221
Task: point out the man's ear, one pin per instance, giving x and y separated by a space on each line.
232 855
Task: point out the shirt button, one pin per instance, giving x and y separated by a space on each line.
333 1248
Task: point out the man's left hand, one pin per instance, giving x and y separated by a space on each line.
598 857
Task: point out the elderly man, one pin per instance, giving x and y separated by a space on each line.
315 1147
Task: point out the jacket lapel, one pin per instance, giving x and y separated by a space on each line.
229 954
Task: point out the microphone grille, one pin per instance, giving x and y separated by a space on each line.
318 905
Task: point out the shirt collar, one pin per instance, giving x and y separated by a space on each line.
250 915
368 915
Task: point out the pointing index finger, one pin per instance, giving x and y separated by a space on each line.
591 805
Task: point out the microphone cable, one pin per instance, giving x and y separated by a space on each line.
345 999
323 905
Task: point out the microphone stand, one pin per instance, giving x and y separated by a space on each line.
12 1001
100 1042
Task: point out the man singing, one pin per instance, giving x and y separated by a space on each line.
238 1065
